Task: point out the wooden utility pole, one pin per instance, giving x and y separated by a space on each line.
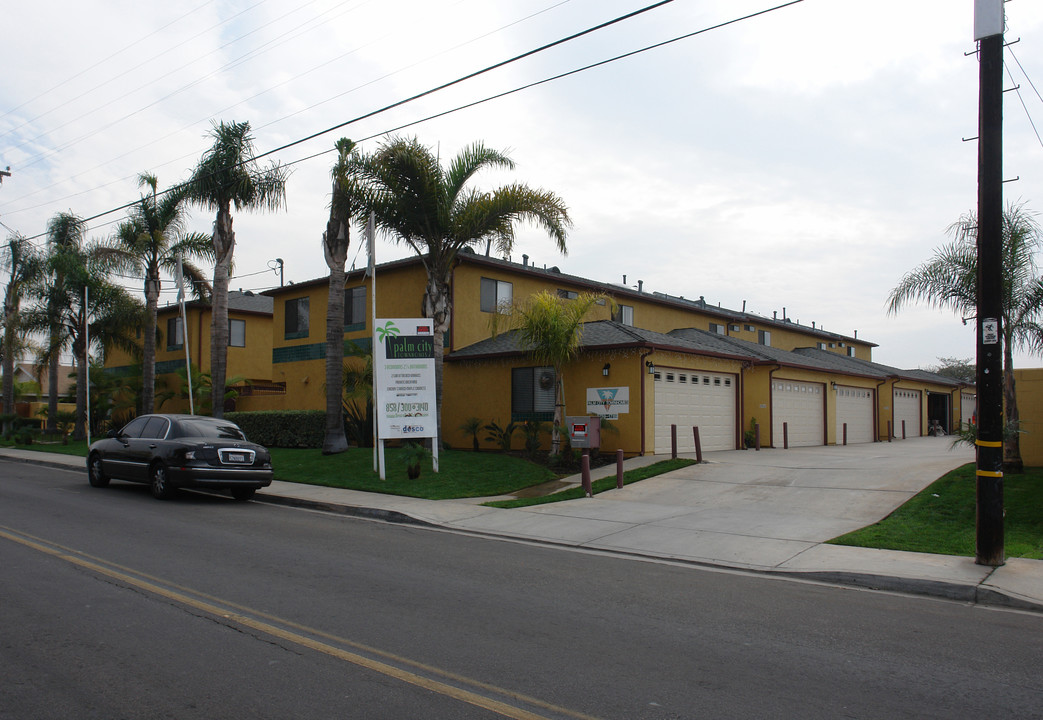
988 31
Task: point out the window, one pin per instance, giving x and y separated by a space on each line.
822 346
764 337
496 295
832 345
355 308
135 427
733 328
297 318
175 334
624 315
156 428
568 294
236 333
715 328
749 328
532 393
850 351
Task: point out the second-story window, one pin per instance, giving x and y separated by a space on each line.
624 315
496 295
717 328
567 294
236 333
355 307
764 337
297 318
175 334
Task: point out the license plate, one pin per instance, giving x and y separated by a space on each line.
236 457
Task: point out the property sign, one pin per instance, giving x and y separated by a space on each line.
608 402
404 375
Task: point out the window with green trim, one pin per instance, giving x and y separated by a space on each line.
297 318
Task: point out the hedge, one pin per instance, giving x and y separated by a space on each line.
283 428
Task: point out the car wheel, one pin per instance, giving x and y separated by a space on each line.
161 487
95 473
243 494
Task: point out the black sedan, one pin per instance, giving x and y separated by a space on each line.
173 451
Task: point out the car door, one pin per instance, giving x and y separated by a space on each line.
118 459
142 449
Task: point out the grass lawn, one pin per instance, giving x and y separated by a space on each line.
941 519
608 483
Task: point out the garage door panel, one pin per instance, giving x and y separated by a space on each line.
801 406
855 407
907 407
695 399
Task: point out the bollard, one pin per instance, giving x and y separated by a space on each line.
757 437
785 436
673 442
698 445
587 488
845 433
619 469
903 429
889 433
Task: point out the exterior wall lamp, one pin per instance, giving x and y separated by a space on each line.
604 370
650 366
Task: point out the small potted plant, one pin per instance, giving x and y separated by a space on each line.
750 436
414 454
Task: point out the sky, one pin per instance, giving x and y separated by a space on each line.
804 158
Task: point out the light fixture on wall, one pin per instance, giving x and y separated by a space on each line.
650 366
604 370
834 385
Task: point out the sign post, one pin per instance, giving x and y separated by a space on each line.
404 382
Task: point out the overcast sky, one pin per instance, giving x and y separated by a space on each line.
802 159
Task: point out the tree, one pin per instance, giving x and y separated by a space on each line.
949 280
434 212
346 206
25 265
152 239
228 176
963 370
551 328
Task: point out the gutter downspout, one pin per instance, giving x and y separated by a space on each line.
771 405
644 374
876 410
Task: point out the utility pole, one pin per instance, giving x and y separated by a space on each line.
988 31
5 173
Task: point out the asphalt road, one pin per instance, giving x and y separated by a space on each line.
116 605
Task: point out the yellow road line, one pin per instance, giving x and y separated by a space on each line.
472 698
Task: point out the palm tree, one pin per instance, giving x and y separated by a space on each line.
151 240
949 280
228 175
346 206
551 327
432 210
24 265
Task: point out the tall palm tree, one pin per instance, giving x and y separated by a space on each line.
434 212
25 265
150 240
346 206
949 280
551 328
228 176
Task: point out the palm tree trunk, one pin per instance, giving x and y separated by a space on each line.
438 308
336 252
1012 461
148 369
10 323
79 348
52 381
224 245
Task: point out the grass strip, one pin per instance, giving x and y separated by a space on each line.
941 518
606 483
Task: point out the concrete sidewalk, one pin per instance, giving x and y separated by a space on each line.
769 512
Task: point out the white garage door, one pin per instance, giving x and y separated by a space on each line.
907 408
968 404
687 398
801 406
855 407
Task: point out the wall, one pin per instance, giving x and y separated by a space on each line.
1029 387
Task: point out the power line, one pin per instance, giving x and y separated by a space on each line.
484 100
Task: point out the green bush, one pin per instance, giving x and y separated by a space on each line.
283 428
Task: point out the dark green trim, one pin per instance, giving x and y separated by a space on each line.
296 335
538 416
316 351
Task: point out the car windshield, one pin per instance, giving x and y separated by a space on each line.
205 429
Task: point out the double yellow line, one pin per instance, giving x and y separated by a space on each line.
303 636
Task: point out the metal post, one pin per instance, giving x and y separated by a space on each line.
587 488
785 436
889 433
619 469
698 445
989 546
845 433
757 437
903 429
673 442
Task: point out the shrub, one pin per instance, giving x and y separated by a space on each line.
501 436
283 428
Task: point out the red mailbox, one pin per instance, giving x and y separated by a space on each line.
584 431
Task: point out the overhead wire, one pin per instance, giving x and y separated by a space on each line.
1017 90
484 100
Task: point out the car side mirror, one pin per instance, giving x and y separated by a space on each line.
113 433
